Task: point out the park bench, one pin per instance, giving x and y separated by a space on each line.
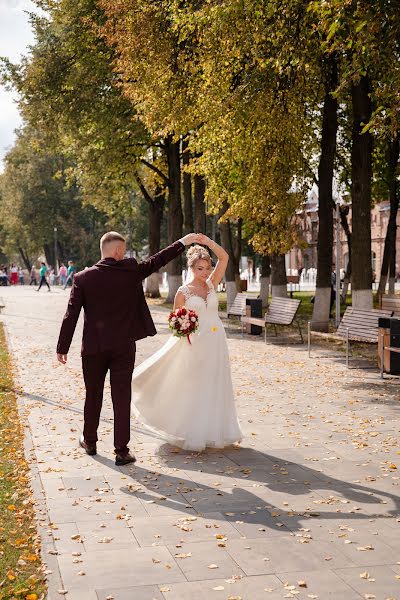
238 307
281 311
356 326
391 303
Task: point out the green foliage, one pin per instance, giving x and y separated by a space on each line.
35 197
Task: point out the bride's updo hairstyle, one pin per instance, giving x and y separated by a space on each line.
196 253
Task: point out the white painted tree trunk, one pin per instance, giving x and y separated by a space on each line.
345 290
279 291
362 299
174 282
152 288
264 290
320 316
231 291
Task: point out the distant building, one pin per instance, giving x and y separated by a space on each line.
307 223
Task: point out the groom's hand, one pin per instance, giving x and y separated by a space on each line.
190 238
62 358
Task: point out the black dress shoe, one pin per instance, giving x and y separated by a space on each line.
89 448
124 459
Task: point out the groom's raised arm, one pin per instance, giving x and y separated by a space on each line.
75 304
154 263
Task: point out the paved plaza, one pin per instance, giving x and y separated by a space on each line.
306 507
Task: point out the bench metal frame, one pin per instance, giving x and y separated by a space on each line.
346 333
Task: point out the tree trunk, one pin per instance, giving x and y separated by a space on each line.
187 191
175 216
322 301
199 204
344 211
49 254
265 279
232 245
361 178
25 259
156 209
278 276
389 253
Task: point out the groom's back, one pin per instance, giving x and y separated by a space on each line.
116 312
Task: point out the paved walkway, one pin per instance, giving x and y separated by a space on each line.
307 507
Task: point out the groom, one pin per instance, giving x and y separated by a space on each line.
116 315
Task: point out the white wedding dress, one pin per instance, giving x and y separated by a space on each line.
184 391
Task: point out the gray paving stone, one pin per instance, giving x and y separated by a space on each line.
202 556
148 592
77 486
109 568
66 510
385 585
247 588
106 535
260 557
171 530
323 584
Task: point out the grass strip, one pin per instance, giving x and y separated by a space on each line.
21 570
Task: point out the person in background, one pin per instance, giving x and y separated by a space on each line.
3 276
21 277
14 274
43 271
62 274
70 273
52 276
32 276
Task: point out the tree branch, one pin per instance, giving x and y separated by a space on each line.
156 170
145 193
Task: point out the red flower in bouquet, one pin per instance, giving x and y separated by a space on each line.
183 322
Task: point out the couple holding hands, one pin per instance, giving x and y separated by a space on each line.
184 391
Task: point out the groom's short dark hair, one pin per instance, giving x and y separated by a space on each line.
111 236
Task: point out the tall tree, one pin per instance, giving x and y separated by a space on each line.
320 317
361 196
388 267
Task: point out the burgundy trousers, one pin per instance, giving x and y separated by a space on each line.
120 363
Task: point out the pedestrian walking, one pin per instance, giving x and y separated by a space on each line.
70 273
21 277
32 276
14 274
62 274
3 276
43 271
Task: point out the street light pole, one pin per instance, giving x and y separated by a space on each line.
337 261
55 252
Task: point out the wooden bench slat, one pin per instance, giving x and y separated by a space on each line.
361 325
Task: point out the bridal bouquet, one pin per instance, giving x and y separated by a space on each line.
183 321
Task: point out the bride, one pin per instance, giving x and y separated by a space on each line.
184 391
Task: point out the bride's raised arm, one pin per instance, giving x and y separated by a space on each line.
223 258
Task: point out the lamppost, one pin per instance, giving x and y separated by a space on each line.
337 261
55 251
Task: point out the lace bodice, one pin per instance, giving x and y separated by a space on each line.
203 306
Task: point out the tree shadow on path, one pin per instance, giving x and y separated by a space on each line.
276 493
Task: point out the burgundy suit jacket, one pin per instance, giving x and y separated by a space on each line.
111 294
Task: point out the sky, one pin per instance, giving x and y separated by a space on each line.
15 37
